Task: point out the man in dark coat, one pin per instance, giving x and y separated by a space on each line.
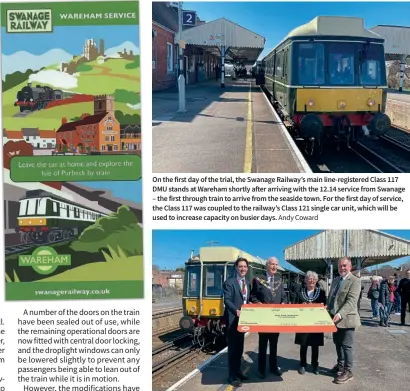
268 289
404 291
236 293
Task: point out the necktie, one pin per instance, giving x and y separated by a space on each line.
332 299
271 282
243 286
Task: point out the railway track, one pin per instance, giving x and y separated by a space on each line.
170 344
182 358
21 248
166 312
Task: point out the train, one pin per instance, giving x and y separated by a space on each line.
46 218
327 81
37 98
202 299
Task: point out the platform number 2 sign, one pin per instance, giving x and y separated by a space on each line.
188 18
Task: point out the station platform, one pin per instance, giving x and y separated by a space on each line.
230 130
381 357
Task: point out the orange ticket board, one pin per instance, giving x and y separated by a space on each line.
285 318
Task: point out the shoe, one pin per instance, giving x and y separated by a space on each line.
235 382
337 370
242 377
261 375
315 371
277 372
402 324
344 377
301 370
381 324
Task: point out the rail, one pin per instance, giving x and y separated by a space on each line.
166 312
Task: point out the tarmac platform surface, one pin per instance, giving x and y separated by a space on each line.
225 130
381 361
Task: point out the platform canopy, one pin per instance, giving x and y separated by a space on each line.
364 247
241 44
396 39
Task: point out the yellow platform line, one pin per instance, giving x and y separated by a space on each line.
247 167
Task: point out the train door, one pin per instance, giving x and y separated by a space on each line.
285 78
279 71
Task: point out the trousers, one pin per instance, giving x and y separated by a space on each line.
343 340
303 355
264 338
235 350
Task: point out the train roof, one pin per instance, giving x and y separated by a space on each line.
342 26
227 254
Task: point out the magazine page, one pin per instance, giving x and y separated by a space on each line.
280 190
73 308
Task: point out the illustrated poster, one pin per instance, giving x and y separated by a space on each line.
72 150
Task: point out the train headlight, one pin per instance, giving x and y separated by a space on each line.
193 308
41 221
341 104
21 222
311 103
212 311
31 99
371 102
29 221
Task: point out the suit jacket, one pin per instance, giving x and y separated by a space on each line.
261 292
233 299
346 301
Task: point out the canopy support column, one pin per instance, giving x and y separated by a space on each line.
402 64
223 66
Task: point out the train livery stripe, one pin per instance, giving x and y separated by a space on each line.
248 144
323 87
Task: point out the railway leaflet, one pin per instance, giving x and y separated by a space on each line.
72 150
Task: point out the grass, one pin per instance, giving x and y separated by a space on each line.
16 277
95 85
118 268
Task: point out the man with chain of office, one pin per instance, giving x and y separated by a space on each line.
343 297
268 289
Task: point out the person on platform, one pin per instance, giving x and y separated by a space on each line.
386 300
294 290
343 296
404 292
308 294
236 293
268 289
373 295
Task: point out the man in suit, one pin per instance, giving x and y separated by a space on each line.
343 297
236 293
268 289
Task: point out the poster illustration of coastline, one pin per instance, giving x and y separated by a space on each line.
72 150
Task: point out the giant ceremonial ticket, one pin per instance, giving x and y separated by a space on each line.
71 155
285 318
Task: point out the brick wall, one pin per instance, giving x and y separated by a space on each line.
161 77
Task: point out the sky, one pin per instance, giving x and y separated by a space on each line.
274 20
43 42
128 190
172 248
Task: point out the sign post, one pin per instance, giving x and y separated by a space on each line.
181 78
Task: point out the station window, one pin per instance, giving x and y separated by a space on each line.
170 65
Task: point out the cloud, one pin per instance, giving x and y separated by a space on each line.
54 78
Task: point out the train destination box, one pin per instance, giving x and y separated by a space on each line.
285 318
71 120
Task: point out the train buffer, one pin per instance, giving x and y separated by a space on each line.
230 130
371 343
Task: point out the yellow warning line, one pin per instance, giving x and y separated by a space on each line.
245 371
247 167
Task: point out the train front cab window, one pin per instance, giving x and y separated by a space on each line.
341 63
373 70
311 63
214 280
193 281
32 207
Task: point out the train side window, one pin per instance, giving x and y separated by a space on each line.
285 63
279 64
76 213
55 207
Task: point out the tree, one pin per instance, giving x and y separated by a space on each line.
15 148
22 148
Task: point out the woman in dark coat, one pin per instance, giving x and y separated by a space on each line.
310 293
